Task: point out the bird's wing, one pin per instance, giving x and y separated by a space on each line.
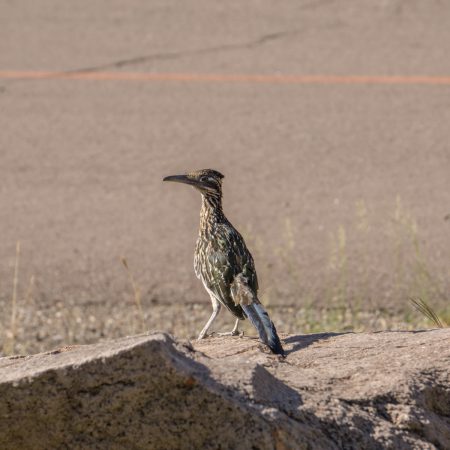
242 259
225 256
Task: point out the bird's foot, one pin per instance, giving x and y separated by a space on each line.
232 333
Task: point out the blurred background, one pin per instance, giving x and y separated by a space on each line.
329 119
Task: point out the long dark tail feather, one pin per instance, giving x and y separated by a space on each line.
266 329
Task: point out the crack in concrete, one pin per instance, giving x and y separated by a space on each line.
181 54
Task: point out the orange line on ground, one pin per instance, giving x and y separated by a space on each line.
228 78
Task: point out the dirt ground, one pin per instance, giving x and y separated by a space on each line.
340 185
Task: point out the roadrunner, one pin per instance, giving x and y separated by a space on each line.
223 262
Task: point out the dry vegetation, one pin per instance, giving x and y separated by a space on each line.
418 298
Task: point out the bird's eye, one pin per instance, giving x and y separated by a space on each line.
204 178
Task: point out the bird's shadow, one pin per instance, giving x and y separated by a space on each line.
302 341
269 390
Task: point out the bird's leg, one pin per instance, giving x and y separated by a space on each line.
216 310
233 332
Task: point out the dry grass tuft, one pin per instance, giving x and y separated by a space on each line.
425 309
137 293
10 338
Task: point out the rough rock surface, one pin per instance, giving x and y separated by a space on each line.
371 391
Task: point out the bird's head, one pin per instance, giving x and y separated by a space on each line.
207 181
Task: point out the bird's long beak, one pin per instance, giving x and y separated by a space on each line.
181 179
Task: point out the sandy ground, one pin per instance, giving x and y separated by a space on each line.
342 189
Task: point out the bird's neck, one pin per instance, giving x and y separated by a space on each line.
211 212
